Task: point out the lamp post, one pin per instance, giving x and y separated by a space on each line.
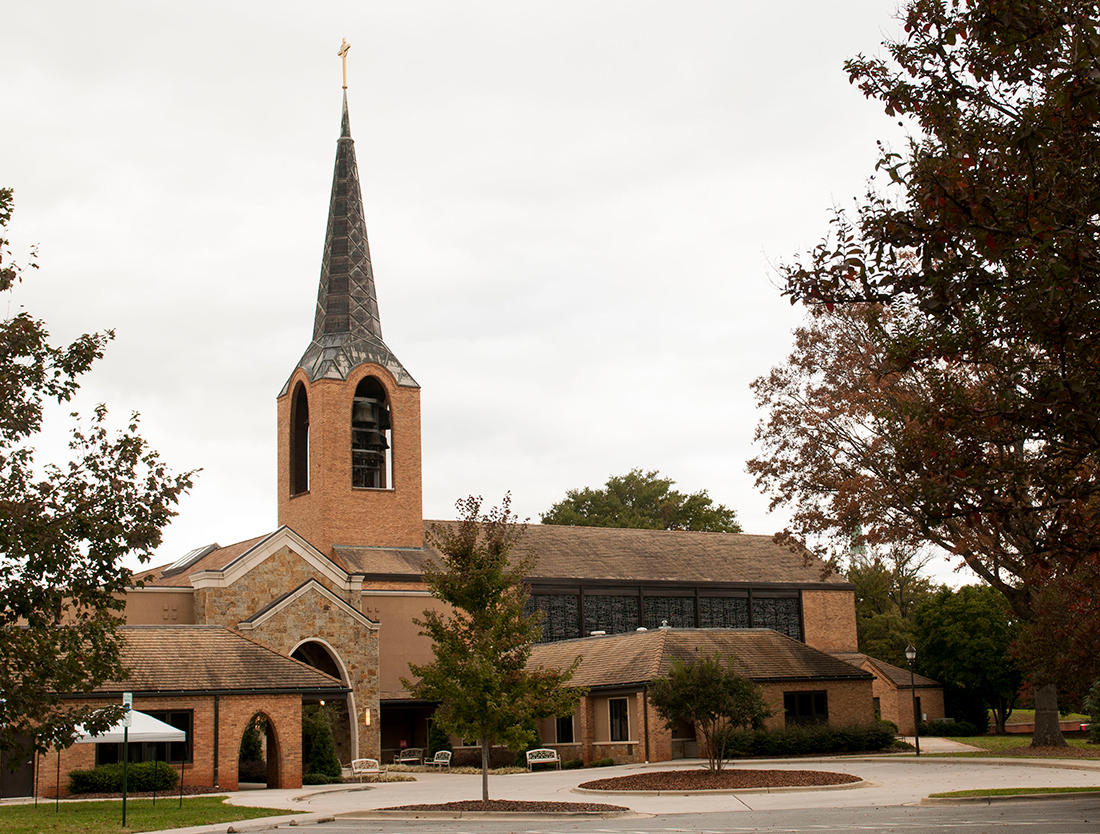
911 655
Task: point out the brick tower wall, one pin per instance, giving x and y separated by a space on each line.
332 511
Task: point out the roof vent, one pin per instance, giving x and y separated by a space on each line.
665 626
597 634
641 628
189 559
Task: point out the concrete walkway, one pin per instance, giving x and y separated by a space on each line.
900 779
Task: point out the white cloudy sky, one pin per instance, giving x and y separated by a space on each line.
573 209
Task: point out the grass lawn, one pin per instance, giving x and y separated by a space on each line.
993 745
105 817
1027 716
1013 791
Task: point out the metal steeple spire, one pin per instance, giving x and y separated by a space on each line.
346 330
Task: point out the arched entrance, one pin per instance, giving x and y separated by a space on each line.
258 755
321 656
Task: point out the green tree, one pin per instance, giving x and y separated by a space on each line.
983 245
708 692
319 747
64 531
642 501
889 586
480 675
1092 707
964 639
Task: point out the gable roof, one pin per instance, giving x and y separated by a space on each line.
894 675
638 657
210 659
571 554
617 554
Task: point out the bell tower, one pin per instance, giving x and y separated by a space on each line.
349 416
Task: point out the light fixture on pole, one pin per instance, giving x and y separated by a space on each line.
911 655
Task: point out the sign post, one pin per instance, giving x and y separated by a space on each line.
127 720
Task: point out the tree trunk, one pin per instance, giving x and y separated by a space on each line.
1047 733
484 768
1000 715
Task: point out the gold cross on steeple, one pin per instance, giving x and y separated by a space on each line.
343 53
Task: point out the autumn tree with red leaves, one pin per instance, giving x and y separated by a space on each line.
965 414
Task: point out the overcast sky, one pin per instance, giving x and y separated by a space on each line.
574 211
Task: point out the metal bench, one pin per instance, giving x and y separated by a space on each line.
410 756
442 759
364 767
543 755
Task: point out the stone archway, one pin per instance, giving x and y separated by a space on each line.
320 655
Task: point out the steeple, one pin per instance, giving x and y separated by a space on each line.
347 331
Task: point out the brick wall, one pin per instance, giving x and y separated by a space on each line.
214 755
849 702
829 619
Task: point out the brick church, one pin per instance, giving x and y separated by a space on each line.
321 609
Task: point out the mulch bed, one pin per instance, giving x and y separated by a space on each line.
662 780
514 806
705 780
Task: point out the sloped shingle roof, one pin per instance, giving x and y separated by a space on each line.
640 656
894 674
208 658
579 554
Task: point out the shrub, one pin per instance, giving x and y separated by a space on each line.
252 771
602 763
1092 707
815 738
140 778
320 779
572 764
438 740
949 728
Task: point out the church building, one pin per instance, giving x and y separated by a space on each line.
322 608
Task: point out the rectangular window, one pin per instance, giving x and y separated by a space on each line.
565 730
806 708
878 707
620 721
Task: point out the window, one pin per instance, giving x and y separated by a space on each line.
878 707
806 707
299 441
565 730
172 752
619 719
370 436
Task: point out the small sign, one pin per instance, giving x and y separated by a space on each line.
128 703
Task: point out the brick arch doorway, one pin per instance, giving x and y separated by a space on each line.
345 732
269 752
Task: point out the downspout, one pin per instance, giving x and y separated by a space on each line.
217 699
645 718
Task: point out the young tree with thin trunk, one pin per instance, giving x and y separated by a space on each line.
482 644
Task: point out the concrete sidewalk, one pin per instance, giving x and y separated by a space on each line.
887 780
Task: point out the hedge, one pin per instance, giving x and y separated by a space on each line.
140 777
813 738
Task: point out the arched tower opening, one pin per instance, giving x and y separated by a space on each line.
299 441
371 464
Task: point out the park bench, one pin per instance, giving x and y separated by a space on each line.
543 755
364 767
442 759
410 756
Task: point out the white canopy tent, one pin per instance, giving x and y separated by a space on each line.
143 727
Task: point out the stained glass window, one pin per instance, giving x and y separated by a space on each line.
613 614
679 612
